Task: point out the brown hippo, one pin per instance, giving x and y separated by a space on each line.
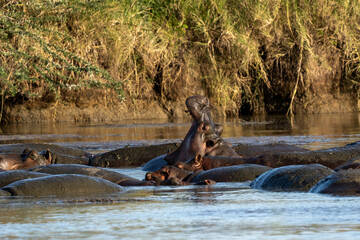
292 178
331 157
167 172
202 141
208 162
131 156
8 177
343 182
254 150
237 173
27 159
173 181
202 138
207 141
353 163
62 185
170 175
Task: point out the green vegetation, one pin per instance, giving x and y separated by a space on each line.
248 56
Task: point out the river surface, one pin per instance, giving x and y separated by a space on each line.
220 211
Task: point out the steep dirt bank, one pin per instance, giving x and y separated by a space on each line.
110 60
100 106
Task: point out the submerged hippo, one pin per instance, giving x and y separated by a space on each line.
353 163
237 173
27 159
292 178
8 177
112 176
208 162
343 182
170 175
62 185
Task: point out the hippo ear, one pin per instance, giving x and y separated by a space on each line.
48 155
26 151
148 176
198 158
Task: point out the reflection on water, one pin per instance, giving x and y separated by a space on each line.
311 131
220 211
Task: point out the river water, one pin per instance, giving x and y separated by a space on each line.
220 211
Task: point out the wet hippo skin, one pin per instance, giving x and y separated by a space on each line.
238 173
292 178
112 176
27 159
343 182
8 177
62 185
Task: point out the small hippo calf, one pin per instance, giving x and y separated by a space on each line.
170 175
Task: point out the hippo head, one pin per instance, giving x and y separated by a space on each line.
37 158
199 108
158 176
192 165
203 141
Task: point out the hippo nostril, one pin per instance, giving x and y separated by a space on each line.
210 143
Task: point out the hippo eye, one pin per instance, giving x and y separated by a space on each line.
210 143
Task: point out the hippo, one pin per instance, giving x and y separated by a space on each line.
8 177
237 173
331 157
131 156
59 154
170 175
255 150
27 159
202 138
167 172
62 185
208 162
4 193
112 176
173 181
343 182
353 163
292 178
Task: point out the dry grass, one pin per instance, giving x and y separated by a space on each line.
238 52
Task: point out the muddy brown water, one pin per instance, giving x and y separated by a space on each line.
220 211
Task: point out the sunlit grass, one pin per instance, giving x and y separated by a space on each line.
159 49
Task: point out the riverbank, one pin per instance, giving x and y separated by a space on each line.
109 60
